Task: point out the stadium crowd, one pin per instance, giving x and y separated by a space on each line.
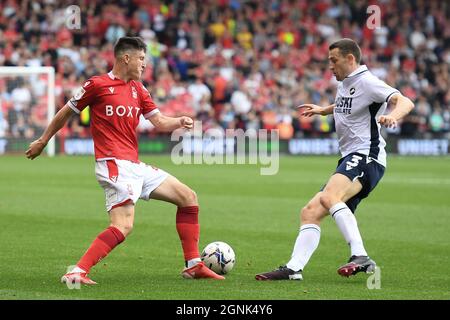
229 63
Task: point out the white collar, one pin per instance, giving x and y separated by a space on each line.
111 75
360 69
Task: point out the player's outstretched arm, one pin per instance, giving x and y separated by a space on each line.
57 123
167 124
402 106
308 109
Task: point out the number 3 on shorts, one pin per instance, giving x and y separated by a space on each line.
353 163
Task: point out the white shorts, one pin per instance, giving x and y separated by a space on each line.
124 180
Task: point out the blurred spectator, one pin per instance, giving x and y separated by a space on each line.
114 32
241 102
199 92
3 125
286 130
410 126
436 121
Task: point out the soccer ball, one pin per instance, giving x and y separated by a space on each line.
219 257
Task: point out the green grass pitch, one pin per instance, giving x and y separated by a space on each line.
52 208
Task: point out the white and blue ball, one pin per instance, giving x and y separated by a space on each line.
219 257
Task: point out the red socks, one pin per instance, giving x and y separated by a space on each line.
100 247
188 230
187 227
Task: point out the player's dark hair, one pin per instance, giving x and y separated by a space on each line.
347 46
129 43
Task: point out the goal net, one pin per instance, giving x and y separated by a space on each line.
27 105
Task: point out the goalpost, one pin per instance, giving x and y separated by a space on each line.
32 73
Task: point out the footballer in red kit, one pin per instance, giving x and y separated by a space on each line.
116 101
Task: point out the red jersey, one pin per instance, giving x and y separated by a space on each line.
115 107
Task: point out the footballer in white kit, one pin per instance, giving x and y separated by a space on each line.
358 112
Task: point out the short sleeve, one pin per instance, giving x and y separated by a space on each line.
149 108
379 91
83 97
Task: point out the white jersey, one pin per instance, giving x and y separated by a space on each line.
360 99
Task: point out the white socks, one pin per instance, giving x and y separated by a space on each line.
309 237
346 222
305 245
193 262
77 269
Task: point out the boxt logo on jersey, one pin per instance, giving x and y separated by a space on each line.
122 111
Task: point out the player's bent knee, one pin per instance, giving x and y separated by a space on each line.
193 197
309 215
326 201
124 228
188 198
122 218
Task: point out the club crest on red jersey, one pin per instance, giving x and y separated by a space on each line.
134 92
79 94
